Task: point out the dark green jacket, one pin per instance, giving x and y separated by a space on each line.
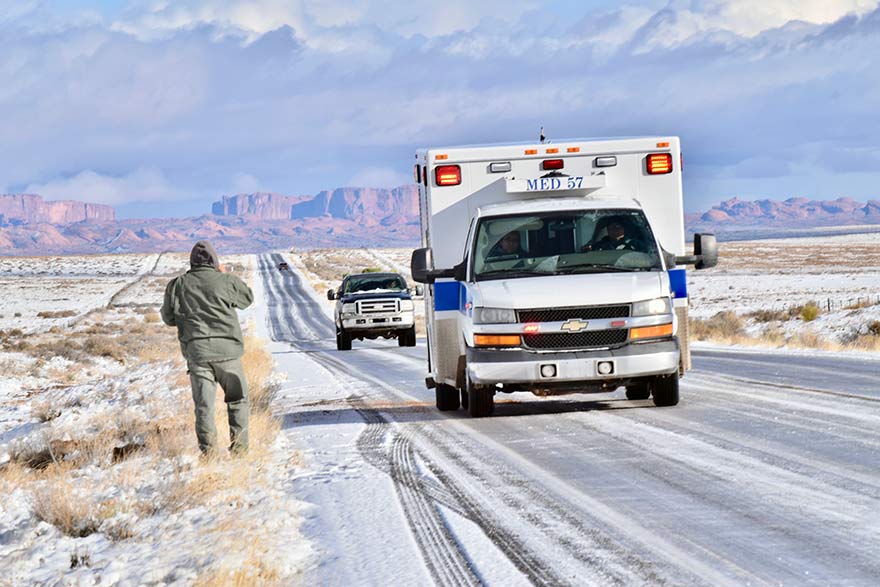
202 303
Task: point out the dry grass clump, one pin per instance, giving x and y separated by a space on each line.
721 326
58 504
56 314
152 318
257 364
102 346
254 569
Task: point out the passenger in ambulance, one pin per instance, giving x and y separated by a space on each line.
615 239
509 246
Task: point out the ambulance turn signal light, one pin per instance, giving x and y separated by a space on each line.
553 164
447 175
497 340
650 332
659 163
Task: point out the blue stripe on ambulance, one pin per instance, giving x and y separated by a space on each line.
678 283
447 295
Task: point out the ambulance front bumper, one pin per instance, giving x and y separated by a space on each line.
519 366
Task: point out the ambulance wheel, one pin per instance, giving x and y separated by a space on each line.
638 391
343 341
481 400
447 397
664 388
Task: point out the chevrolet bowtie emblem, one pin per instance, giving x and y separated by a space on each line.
574 325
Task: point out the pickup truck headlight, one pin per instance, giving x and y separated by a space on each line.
652 307
349 308
494 316
406 305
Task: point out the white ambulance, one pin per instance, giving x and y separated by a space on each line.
555 268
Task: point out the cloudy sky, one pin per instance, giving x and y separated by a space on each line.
160 106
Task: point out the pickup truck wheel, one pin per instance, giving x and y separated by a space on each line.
447 397
638 391
407 338
481 401
664 388
343 341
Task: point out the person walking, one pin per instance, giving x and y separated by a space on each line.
202 304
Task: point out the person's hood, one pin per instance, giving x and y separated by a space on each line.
203 254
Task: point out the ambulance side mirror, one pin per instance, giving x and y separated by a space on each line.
705 250
705 253
421 265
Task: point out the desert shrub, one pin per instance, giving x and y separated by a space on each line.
103 346
874 328
56 314
371 270
152 318
809 312
768 315
65 348
722 325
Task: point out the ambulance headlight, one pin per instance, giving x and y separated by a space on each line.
494 316
652 307
406 305
348 308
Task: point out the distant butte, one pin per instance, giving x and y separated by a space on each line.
343 217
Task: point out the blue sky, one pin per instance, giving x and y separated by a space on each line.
159 107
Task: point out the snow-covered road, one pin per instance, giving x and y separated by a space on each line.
765 474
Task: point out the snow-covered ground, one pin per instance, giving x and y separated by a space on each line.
99 470
840 274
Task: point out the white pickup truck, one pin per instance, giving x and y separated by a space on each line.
373 305
555 268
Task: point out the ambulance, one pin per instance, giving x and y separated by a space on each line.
555 268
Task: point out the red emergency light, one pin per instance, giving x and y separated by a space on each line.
659 163
531 328
548 164
447 175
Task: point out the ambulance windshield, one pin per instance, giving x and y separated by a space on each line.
582 241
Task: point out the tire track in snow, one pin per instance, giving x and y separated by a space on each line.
441 553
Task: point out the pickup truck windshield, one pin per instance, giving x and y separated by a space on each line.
357 283
555 243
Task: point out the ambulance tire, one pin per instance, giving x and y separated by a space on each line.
639 390
664 389
343 341
447 397
481 400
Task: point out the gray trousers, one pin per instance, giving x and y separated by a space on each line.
204 378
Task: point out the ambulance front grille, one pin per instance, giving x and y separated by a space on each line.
581 313
369 307
577 340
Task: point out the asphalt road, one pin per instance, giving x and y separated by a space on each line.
766 473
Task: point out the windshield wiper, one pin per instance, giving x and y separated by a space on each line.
508 273
599 268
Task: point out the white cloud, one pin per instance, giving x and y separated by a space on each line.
142 185
203 90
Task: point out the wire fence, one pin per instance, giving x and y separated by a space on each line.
837 304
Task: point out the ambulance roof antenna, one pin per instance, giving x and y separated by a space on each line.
542 138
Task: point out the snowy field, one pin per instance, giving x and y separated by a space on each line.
762 280
99 467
